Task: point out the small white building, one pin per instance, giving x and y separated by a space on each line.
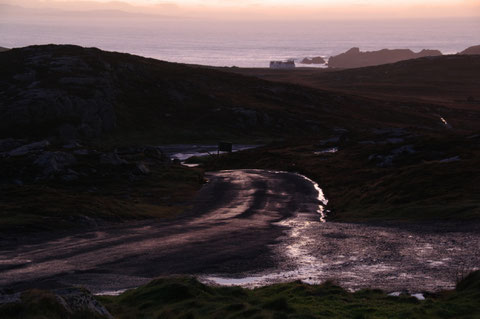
290 64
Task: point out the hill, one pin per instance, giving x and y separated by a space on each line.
471 50
450 80
77 125
70 92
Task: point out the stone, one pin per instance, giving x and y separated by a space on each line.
53 162
155 153
9 143
81 152
67 132
112 159
450 159
71 146
10 298
77 300
32 147
141 169
70 175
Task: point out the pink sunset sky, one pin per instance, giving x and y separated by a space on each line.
270 9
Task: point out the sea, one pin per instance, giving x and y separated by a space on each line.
245 44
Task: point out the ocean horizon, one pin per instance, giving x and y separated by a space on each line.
221 43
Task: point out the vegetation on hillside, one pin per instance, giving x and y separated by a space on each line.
60 188
185 297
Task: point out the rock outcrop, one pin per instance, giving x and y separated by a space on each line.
314 60
473 50
53 94
354 58
41 161
59 303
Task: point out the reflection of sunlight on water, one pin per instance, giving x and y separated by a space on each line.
111 292
321 198
307 268
444 121
295 248
326 151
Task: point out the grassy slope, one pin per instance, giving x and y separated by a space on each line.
447 80
111 193
181 297
186 298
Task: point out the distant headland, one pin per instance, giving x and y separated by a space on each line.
354 58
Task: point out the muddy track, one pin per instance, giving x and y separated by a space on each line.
231 229
249 227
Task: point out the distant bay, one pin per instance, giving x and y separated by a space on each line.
223 43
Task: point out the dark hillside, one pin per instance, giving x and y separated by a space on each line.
450 80
72 92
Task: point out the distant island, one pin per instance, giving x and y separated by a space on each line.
354 58
2 49
314 60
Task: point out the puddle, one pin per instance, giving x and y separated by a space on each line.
185 151
111 292
294 248
450 159
444 121
190 165
320 197
327 151
419 296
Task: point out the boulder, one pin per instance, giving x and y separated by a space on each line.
9 144
29 148
71 145
53 162
141 169
155 153
55 95
112 159
70 175
388 160
78 301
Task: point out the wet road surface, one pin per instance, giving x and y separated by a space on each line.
249 227
230 230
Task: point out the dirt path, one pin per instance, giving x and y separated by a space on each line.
254 226
229 230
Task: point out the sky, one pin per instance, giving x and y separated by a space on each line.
272 9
